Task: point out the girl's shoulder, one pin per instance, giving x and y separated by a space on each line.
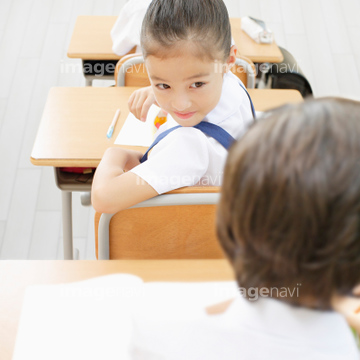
186 136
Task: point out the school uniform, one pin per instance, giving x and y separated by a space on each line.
186 156
249 330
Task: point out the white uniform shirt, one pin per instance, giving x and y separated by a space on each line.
186 156
263 329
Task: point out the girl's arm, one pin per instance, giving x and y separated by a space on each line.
112 189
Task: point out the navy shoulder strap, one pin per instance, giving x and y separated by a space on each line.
216 132
212 130
251 103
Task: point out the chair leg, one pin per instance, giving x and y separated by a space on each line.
103 237
76 254
67 224
85 198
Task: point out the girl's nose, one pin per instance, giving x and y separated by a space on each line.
180 102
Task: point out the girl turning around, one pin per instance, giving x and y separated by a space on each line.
188 56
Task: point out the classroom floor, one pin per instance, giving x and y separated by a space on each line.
34 37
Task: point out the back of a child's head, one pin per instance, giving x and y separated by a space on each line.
290 207
169 24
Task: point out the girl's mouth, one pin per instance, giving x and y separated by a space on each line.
184 116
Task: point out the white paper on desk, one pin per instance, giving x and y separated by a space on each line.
84 320
137 133
92 319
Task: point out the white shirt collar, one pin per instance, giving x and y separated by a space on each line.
231 96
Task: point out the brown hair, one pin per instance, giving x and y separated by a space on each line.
290 206
204 22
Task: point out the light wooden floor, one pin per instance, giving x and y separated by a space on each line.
34 36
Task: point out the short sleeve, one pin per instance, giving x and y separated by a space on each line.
180 159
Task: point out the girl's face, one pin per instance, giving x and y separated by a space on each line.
185 86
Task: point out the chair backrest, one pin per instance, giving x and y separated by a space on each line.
245 70
288 75
130 71
176 225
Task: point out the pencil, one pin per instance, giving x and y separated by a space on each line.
112 125
160 119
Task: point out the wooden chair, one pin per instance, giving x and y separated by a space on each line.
130 71
176 225
245 70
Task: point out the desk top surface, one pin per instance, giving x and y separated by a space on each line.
15 276
91 41
72 131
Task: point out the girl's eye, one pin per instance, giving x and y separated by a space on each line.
163 86
197 84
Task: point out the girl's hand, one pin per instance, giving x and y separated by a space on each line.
119 160
140 101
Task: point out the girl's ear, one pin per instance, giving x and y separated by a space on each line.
230 62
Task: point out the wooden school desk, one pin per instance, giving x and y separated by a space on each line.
91 41
73 128
15 276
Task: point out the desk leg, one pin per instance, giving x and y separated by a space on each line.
88 79
67 224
